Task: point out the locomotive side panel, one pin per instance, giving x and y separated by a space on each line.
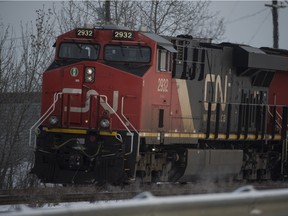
210 91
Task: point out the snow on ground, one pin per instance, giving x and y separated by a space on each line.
7 209
243 201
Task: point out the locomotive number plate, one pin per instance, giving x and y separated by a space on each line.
126 35
87 33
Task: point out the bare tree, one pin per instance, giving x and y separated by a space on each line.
7 57
9 79
125 13
68 16
181 17
22 61
37 49
160 16
75 14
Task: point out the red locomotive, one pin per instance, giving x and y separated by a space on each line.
118 105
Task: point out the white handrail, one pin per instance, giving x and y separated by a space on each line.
123 123
271 114
43 117
122 113
277 115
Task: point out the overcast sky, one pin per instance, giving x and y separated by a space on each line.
247 22
250 22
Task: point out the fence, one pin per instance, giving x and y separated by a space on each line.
244 201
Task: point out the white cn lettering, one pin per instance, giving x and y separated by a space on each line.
214 83
86 108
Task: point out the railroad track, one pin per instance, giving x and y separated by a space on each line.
40 196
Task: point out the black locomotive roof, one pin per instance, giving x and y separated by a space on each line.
274 51
264 58
252 57
161 41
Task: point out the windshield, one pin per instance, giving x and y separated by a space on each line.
79 51
122 53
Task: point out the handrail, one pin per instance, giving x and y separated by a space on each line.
122 113
123 123
103 99
271 114
277 115
43 117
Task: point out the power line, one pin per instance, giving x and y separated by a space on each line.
258 28
247 16
232 10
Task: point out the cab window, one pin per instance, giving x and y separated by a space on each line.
123 53
163 60
78 51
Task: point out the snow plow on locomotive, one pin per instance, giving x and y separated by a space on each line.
121 105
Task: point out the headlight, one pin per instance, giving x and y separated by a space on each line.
53 120
105 123
89 74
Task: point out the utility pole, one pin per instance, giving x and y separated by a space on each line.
274 7
107 12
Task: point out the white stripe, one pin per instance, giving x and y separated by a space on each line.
185 105
71 91
115 100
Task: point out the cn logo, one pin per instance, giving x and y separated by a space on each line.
214 87
87 103
74 72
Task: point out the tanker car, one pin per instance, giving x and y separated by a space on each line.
121 105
